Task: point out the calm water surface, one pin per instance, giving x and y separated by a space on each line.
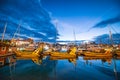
80 69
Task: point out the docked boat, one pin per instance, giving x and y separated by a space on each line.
27 54
61 55
116 53
92 54
71 54
4 48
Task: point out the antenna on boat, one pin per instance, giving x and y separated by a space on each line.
4 32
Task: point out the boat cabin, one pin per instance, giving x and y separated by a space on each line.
3 48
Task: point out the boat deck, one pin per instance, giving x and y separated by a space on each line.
8 54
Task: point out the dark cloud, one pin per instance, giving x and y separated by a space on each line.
34 20
104 23
105 39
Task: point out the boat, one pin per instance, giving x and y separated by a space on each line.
71 54
4 46
93 54
118 53
60 55
27 54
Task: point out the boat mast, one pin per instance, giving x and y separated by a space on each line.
114 61
74 36
18 30
4 32
110 36
56 32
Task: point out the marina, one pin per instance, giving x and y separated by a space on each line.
52 64
59 40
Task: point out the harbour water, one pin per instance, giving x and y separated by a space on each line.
46 69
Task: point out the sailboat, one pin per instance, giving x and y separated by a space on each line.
4 47
20 52
114 52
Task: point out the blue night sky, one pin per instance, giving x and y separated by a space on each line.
84 17
38 19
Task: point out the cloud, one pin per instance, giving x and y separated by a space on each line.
104 23
106 39
33 17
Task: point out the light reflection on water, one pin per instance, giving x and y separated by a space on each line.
72 69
